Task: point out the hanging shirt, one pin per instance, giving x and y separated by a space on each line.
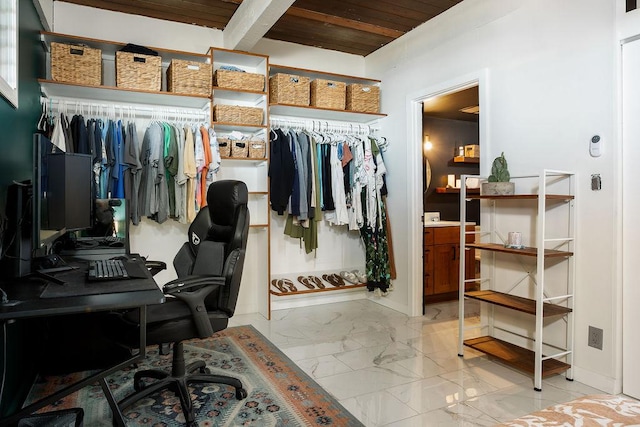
191 172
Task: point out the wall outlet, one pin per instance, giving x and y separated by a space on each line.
595 337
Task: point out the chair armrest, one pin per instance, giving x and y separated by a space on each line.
155 267
192 290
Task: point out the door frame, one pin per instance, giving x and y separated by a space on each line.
478 78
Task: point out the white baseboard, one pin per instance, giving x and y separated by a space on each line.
599 381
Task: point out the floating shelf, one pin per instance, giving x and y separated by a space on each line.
515 356
513 302
548 253
469 160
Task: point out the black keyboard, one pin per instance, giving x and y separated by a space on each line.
106 269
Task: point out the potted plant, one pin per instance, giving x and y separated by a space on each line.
499 181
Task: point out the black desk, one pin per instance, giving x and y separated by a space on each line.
30 305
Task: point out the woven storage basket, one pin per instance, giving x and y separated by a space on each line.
328 94
136 71
289 89
363 98
257 149
236 114
224 146
238 80
189 77
76 64
239 148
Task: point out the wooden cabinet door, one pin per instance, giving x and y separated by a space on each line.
445 268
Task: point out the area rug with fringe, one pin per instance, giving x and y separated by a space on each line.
598 410
279 393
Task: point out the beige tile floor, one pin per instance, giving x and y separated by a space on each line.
389 369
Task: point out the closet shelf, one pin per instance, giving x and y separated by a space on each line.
228 127
313 74
251 96
242 159
548 197
109 48
53 89
322 113
315 291
446 190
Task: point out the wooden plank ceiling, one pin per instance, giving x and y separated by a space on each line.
352 26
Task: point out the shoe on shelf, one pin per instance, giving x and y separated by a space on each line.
362 277
278 284
306 281
317 281
350 277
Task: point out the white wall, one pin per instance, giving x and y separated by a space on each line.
551 85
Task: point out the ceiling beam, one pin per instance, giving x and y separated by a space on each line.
343 22
336 20
251 21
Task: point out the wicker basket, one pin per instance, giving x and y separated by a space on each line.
239 148
257 149
190 77
76 64
363 98
328 94
224 146
289 89
236 114
238 80
139 72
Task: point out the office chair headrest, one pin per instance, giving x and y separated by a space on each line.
223 199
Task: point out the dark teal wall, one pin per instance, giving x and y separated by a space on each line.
18 126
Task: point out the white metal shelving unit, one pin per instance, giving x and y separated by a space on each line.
549 192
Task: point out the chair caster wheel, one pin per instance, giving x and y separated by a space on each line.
241 394
205 370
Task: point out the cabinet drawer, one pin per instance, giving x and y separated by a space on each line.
428 236
444 235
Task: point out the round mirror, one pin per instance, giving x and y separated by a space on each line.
427 174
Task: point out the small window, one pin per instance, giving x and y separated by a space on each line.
9 50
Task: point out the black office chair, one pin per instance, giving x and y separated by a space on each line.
202 299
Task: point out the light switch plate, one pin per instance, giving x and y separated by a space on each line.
431 217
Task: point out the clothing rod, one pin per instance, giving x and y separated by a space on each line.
73 106
324 125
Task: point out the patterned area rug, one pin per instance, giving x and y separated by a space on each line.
279 393
589 411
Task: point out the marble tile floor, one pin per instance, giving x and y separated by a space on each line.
392 370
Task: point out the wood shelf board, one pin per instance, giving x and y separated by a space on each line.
445 190
314 74
110 48
322 113
55 89
228 127
548 253
562 197
470 160
517 303
238 95
242 159
513 355
315 291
